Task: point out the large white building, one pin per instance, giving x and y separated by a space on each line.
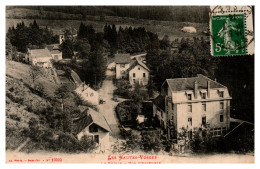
196 102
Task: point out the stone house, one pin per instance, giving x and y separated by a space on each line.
196 102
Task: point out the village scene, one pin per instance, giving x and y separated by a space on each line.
123 81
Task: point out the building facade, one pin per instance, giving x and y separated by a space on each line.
43 57
132 69
138 73
122 62
95 127
196 102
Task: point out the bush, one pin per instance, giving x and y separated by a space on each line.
15 117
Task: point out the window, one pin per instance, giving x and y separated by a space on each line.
161 114
204 120
221 94
93 128
190 121
219 131
189 108
189 96
144 75
221 105
204 107
172 106
203 95
133 74
122 72
138 68
122 65
221 118
96 139
133 80
91 94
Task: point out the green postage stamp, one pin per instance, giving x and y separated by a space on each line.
231 31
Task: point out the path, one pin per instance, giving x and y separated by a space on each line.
108 108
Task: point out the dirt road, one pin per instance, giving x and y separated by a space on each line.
108 108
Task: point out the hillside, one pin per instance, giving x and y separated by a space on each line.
21 102
58 24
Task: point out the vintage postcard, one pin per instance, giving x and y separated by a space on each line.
129 84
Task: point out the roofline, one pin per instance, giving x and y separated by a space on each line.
84 127
176 91
140 65
204 100
211 80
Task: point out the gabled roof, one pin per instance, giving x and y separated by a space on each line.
179 84
90 116
75 77
135 62
82 87
122 58
159 101
40 52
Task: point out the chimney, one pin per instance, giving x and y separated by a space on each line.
208 89
83 85
195 89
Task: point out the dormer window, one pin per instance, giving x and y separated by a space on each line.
189 96
221 94
203 95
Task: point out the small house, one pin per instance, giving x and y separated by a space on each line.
122 62
43 57
93 125
87 94
138 72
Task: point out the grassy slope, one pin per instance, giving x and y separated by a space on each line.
171 28
18 98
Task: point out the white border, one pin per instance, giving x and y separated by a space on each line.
117 2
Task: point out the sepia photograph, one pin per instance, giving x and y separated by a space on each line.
129 84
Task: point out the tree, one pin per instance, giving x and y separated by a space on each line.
165 43
62 92
83 47
34 73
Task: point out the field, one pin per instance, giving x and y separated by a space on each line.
170 28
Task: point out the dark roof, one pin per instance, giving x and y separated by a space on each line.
180 84
122 58
90 116
159 101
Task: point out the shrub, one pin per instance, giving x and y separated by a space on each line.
15 117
